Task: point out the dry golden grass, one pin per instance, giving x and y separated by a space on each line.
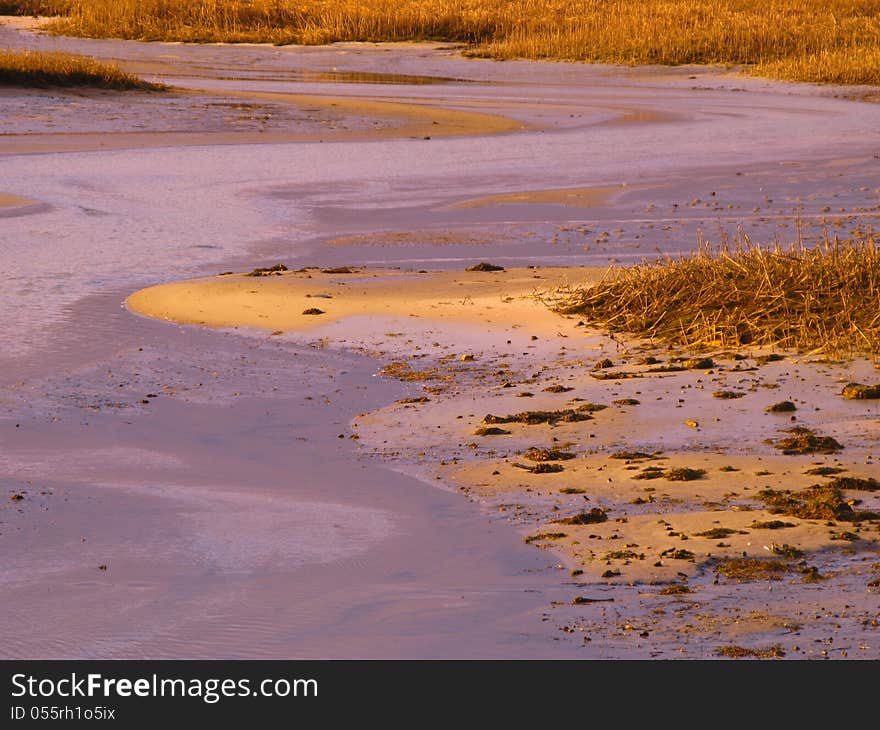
822 299
40 69
811 40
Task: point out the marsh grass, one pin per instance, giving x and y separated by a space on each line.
820 300
43 69
806 40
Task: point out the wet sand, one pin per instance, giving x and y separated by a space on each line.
223 533
476 346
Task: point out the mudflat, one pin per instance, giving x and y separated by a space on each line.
433 463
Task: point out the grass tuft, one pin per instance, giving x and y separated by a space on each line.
43 69
819 299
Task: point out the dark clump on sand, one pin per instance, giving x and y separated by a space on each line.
483 266
802 440
770 525
538 454
784 406
819 502
857 391
542 467
557 389
532 418
592 517
740 652
543 536
268 271
490 431
857 483
684 474
716 533
747 569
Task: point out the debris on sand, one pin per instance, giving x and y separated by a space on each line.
403 371
649 472
627 402
771 357
784 406
740 652
727 394
313 310
676 474
683 474
483 266
614 374
678 554
698 363
490 431
857 391
532 418
557 389
603 364
844 535
824 471
269 271
677 589
803 440
716 533
538 454
542 467
623 555
819 502
787 551
855 483
417 399
594 516
629 455
340 270
543 536
770 525
747 569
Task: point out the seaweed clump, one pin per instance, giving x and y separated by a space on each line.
684 474
483 266
855 483
747 569
541 536
268 271
490 431
532 418
537 454
802 440
770 525
784 406
594 516
717 533
732 651
857 391
819 502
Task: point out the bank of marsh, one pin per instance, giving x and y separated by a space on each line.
804 40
